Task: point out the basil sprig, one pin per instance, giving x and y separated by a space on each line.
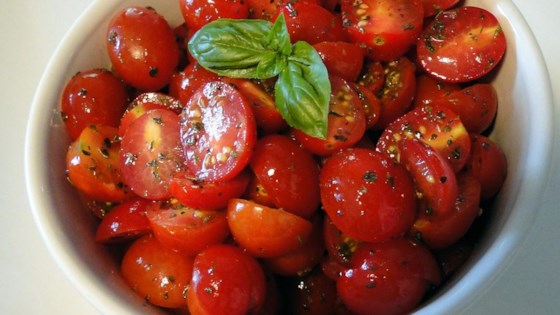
259 49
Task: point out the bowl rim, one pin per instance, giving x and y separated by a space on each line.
487 268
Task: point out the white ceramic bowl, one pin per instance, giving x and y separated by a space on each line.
523 129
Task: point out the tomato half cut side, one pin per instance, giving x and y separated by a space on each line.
461 44
151 153
433 7
145 102
266 232
218 132
126 221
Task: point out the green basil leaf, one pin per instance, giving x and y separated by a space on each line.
279 37
303 90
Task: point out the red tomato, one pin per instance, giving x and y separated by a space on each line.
312 294
266 232
326 27
454 256
92 97
218 132
92 164
262 103
182 36
142 48
208 195
436 126
225 280
372 76
185 229
370 103
340 246
388 278
442 231
387 28
198 13
435 179
265 10
367 196
433 7
488 164
124 222
346 121
342 59
430 89
145 102
158 274
288 173
461 45
256 192
191 79
151 153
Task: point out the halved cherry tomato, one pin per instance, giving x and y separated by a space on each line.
145 102
265 10
191 79
208 195
340 246
346 121
92 163
218 132
433 7
367 195
142 48
372 76
266 232
437 126
158 274
312 294
256 192
430 89
288 173
198 13
124 222
435 179
388 278
225 280
370 103
387 28
151 153
342 59
442 231
92 97
326 27
461 44
185 229
488 164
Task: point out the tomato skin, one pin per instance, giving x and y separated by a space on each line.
145 102
433 7
488 164
208 195
225 280
124 222
346 121
198 13
138 29
191 79
266 232
387 28
218 132
367 196
340 246
461 44
92 164
185 229
92 97
288 173
256 192
388 278
158 274
342 59
312 294
370 103
430 89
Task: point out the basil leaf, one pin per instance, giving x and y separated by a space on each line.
279 37
303 90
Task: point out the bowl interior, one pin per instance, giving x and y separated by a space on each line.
523 129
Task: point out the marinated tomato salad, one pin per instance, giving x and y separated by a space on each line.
289 157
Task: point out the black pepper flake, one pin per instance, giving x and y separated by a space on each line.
443 179
370 285
153 72
82 92
370 177
341 138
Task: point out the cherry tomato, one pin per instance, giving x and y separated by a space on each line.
266 232
190 79
256 192
198 13
442 231
436 126
433 7
367 195
370 103
342 59
430 89
185 229
488 164
225 280
340 246
434 178
158 274
92 164
461 44
151 153
387 28
325 27
312 294
346 121
218 132
142 48
143 103
288 173
372 76
266 10
388 278
124 222
208 195
92 97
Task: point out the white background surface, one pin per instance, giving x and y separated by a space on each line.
30 282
